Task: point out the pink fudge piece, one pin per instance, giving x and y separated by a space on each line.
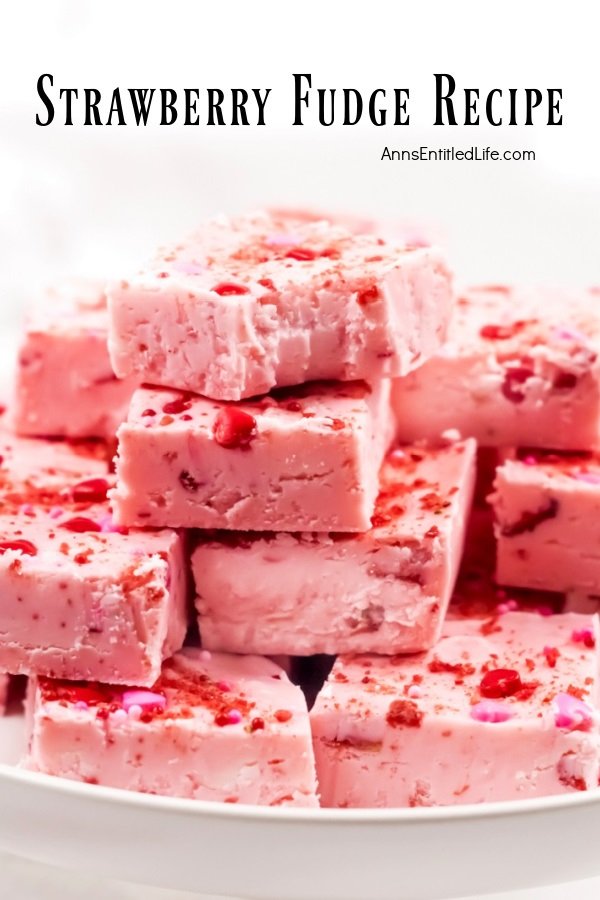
65 385
264 301
520 368
213 727
499 713
307 458
547 510
77 598
383 591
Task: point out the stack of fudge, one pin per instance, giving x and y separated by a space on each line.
332 476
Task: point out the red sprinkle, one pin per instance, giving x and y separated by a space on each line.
500 683
283 715
267 283
234 428
514 379
25 547
149 412
257 724
301 253
551 654
368 295
176 406
93 490
501 332
564 381
80 524
404 712
230 289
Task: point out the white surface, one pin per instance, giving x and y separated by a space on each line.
23 880
278 854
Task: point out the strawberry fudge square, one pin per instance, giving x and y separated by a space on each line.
265 300
80 598
493 712
301 458
384 591
65 385
547 510
212 727
520 368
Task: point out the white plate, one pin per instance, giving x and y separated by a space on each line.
278 854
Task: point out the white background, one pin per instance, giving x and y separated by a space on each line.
95 200
80 198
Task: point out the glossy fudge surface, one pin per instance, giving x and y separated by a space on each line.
78 597
266 300
213 727
385 590
498 710
547 509
302 458
65 385
520 367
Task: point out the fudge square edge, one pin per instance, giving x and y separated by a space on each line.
65 385
498 710
383 591
78 598
213 727
263 300
300 458
521 367
547 520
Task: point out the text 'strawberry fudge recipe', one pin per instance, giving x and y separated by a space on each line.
332 480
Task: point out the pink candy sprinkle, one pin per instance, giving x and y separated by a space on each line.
507 606
571 713
134 711
588 477
414 691
491 711
205 655
583 636
529 460
282 240
81 704
107 526
545 611
234 716
147 701
188 267
223 685
26 509
565 333
56 512
119 714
